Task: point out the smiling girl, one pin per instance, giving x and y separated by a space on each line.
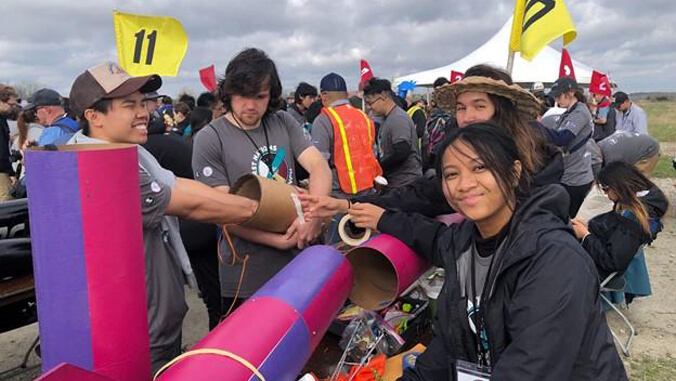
514 271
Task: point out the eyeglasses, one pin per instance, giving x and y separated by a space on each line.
372 101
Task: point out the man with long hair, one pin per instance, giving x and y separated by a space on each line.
253 137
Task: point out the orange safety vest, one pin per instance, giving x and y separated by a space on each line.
353 141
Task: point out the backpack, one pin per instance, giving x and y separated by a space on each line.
67 129
437 126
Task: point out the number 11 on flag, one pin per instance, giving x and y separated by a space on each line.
149 44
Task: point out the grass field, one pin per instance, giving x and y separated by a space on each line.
661 119
653 369
662 126
664 168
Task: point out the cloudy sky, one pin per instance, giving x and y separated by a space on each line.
48 43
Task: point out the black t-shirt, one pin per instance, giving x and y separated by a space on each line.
175 154
172 152
5 163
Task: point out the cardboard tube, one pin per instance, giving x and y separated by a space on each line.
348 236
383 268
278 328
276 210
88 257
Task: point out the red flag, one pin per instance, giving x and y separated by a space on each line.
599 84
366 72
566 67
208 77
456 76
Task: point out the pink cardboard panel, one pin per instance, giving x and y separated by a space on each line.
67 372
408 265
113 240
254 332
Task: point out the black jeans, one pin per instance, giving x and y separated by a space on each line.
577 195
205 266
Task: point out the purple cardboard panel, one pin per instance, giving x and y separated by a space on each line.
287 359
58 258
299 282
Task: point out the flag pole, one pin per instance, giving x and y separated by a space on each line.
510 62
511 52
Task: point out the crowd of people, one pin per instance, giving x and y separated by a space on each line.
522 274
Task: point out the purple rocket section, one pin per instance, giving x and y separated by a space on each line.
58 259
277 329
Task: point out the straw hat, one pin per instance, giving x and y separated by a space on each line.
526 103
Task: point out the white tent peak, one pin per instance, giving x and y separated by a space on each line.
543 68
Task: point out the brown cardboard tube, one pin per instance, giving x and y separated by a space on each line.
384 268
276 210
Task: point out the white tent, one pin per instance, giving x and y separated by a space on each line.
543 68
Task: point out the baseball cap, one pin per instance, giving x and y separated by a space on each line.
620 97
332 82
563 85
151 95
107 81
44 97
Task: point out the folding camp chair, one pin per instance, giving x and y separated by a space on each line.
615 282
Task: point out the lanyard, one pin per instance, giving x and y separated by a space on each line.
483 352
267 159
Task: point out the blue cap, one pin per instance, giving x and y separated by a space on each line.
44 97
332 82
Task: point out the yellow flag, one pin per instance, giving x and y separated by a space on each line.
537 23
517 23
149 44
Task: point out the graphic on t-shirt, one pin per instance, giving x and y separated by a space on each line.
262 163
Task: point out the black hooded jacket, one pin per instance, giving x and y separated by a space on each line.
614 240
543 313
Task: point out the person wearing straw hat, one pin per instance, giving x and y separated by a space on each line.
485 94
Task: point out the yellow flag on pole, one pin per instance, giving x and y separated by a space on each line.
536 23
149 44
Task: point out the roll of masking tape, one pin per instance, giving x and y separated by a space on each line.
349 237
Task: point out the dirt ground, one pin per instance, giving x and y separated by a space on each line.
654 317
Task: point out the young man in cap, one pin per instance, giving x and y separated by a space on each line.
397 139
49 112
346 137
253 137
631 117
112 109
571 131
343 133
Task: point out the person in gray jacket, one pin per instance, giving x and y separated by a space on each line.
573 129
